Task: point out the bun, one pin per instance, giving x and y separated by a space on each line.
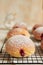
38 32
20 46
18 31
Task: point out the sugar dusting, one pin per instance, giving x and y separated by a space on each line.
39 30
20 40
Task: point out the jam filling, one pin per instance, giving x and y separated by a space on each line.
22 52
42 37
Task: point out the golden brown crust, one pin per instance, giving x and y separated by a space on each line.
17 31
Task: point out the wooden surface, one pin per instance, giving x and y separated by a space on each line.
29 11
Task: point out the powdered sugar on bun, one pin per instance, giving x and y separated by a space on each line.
39 30
20 45
20 40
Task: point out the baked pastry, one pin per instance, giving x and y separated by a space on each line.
38 32
20 25
36 26
18 31
42 41
20 46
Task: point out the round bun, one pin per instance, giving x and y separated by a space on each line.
38 32
20 46
17 31
36 26
20 25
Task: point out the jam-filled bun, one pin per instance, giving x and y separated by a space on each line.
20 46
18 31
20 25
38 32
36 26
